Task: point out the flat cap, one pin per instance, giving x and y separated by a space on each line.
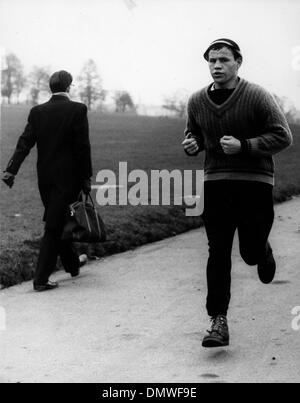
226 42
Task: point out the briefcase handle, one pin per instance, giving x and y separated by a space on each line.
82 195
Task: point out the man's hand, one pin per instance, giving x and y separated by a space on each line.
86 187
190 145
8 179
230 145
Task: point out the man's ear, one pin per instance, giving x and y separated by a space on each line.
239 61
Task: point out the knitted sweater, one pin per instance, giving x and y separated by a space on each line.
251 115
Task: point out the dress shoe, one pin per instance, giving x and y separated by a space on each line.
50 285
75 273
82 261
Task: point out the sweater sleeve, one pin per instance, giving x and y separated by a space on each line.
275 132
192 129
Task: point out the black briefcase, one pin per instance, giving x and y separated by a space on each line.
83 222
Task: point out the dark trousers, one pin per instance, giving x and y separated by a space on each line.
51 248
55 199
229 205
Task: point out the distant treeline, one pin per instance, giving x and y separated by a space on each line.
16 88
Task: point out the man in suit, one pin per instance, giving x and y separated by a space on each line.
60 130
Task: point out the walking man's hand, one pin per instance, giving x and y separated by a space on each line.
230 145
8 178
190 145
86 187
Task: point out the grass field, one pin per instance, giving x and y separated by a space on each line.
145 143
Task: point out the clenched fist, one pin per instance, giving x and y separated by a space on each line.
230 145
86 186
190 145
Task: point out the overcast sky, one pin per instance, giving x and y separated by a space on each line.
154 48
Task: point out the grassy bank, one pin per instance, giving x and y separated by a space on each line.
145 143
126 230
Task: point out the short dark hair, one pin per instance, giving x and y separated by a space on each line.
219 46
60 81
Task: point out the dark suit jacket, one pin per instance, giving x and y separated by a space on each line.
60 130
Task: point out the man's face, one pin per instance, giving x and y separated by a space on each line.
223 67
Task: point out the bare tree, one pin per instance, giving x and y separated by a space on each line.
288 108
39 83
12 79
176 103
91 91
123 101
20 83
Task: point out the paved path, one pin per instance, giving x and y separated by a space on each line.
139 317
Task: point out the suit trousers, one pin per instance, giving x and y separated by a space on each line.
56 199
230 205
51 248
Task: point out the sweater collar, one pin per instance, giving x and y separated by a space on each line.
220 109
